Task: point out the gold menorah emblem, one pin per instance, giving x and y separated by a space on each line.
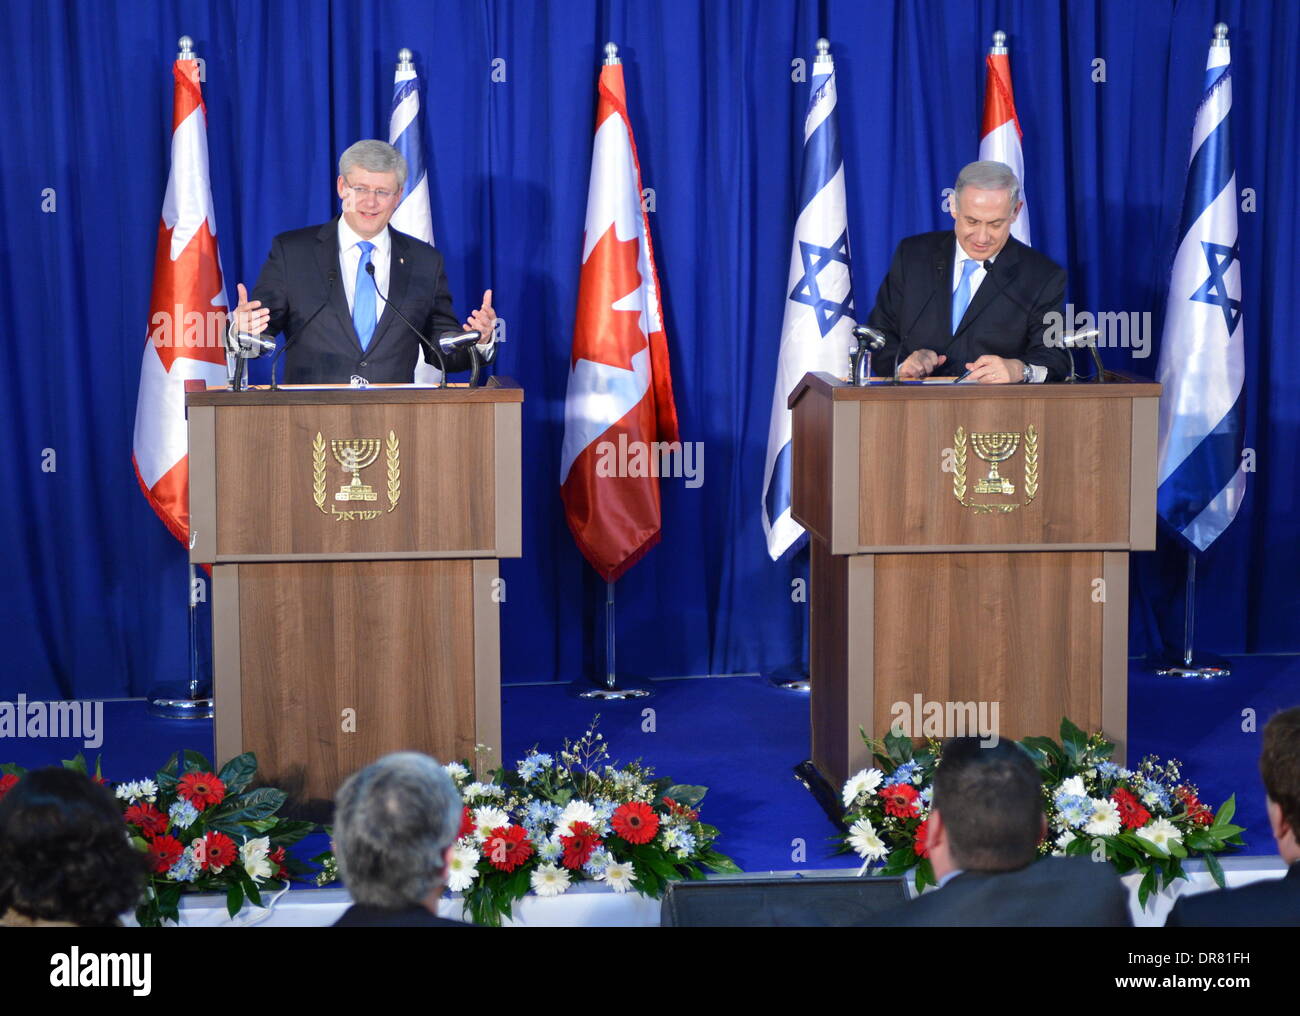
993 448
354 454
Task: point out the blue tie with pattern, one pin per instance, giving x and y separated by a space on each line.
363 297
961 296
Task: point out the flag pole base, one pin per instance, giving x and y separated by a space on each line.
792 678
1204 668
179 702
607 693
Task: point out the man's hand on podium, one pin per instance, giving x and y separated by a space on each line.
250 317
921 364
483 319
994 370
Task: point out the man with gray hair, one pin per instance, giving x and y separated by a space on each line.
395 826
333 290
972 300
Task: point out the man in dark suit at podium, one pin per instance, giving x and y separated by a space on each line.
327 287
1271 903
983 833
974 297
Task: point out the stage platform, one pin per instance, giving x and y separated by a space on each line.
741 737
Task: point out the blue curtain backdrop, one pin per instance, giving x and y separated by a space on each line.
94 587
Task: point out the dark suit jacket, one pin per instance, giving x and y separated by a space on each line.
1271 903
1005 317
362 915
295 283
1054 892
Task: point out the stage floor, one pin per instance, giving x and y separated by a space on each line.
741 737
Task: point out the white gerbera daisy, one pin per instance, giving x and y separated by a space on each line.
1063 841
576 811
486 819
253 855
863 839
1105 818
1161 833
619 876
548 880
864 783
462 871
1073 787
457 772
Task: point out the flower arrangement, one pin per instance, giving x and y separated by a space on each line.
203 831
552 822
1148 819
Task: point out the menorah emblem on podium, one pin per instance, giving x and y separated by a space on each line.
995 447
354 454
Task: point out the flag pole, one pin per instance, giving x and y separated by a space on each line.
190 699
1206 668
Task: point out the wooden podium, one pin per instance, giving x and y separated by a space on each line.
353 536
949 565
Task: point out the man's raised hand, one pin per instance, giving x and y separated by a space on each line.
250 316
484 319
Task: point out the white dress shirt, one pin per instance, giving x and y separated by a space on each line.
1037 373
350 257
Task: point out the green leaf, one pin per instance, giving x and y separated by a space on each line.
238 773
77 764
234 899
1215 869
286 833
720 863
1144 889
1071 734
686 794
252 805
195 760
1226 812
13 769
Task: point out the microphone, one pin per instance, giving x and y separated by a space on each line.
431 346
1087 339
869 341
333 274
450 343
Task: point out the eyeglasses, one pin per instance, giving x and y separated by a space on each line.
364 192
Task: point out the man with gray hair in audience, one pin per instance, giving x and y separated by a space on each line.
395 825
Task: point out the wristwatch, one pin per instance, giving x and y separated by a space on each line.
1024 373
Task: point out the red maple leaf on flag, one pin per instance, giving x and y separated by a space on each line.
188 284
602 333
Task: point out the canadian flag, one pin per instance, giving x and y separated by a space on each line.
187 313
620 394
1000 133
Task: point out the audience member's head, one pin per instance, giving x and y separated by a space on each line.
395 823
1279 765
65 856
987 811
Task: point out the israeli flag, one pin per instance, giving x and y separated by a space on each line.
816 333
413 215
1202 364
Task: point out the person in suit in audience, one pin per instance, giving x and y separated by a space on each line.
985 825
65 859
395 825
1271 903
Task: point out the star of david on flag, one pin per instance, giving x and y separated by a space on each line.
816 331
1202 358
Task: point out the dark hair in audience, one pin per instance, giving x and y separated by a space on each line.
64 851
1279 764
991 799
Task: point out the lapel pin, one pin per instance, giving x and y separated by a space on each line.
401 261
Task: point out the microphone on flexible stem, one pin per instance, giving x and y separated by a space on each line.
333 274
246 346
869 341
470 340
1088 339
442 364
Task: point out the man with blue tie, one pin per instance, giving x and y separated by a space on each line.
327 288
973 298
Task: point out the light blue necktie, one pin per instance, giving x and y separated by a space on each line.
363 297
961 296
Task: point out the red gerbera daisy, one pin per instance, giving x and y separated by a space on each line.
900 800
635 822
217 851
148 819
164 851
201 789
1131 814
920 845
508 847
7 783
579 846
467 825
